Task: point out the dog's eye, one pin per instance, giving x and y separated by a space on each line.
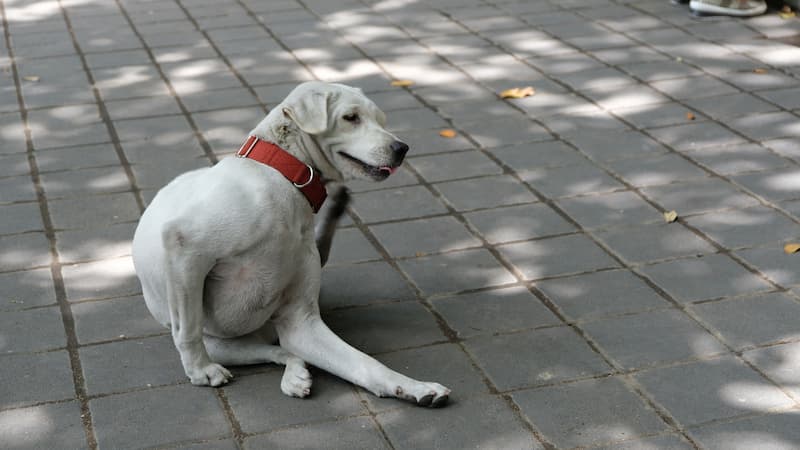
353 118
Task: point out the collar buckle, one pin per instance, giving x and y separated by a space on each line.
310 178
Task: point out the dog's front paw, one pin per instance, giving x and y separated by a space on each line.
425 394
211 374
296 381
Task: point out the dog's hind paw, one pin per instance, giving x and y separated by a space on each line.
433 395
296 381
210 375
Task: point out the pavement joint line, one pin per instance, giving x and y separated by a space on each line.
209 152
68 321
230 416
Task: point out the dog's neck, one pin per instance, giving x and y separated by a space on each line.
283 132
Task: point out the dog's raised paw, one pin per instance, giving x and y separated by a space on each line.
296 381
210 375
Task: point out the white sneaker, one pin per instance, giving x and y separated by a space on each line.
739 8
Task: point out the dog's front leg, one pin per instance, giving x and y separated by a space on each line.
186 271
302 332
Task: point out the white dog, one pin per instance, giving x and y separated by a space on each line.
226 255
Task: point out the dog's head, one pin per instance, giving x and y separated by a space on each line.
348 128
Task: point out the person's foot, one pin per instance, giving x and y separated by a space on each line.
739 8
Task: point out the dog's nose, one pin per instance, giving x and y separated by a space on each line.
399 149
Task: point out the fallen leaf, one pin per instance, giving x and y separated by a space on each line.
760 70
786 12
670 216
33 78
690 116
419 254
518 92
791 248
448 133
402 83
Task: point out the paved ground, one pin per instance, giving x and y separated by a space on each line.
524 263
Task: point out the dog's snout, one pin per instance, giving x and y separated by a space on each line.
400 149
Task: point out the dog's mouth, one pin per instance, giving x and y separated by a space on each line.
378 173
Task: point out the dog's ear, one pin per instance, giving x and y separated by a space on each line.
309 112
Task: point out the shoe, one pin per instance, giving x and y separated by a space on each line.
739 8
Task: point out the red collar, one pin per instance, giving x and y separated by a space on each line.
299 173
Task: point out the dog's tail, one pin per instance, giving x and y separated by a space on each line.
329 219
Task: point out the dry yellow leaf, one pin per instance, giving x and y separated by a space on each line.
402 83
448 133
670 216
33 78
786 12
690 116
419 254
791 248
518 92
760 70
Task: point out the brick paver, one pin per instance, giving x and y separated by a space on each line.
524 263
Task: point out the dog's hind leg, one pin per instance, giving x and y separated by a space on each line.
328 220
254 348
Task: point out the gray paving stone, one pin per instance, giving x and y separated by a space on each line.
157 417
636 95
537 155
446 364
746 227
652 338
565 63
158 175
722 388
730 319
612 145
129 81
15 164
784 147
385 327
785 98
406 203
20 217
665 114
571 180
597 78
579 123
607 210
699 196
356 432
93 211
734 159
482 423
435 235
453 166
109 319
588 412
36 378
708 277
659 70
696 135
150 152
730 106
13 133
92 244
100 279
456 271
653 242
394 100
694 87
403 177
751 81
536 357
79 157
259 404
128 364
351 246
663 442
19 290
779 362
663 169
235 97
773 185
43 426
17 189
485 192
771 261
505 131
773 431
32 330
24 251
549 257
767 125
115 59
360 284
601 294
494 311
85 181
162 130
517 223
142 107
414 119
